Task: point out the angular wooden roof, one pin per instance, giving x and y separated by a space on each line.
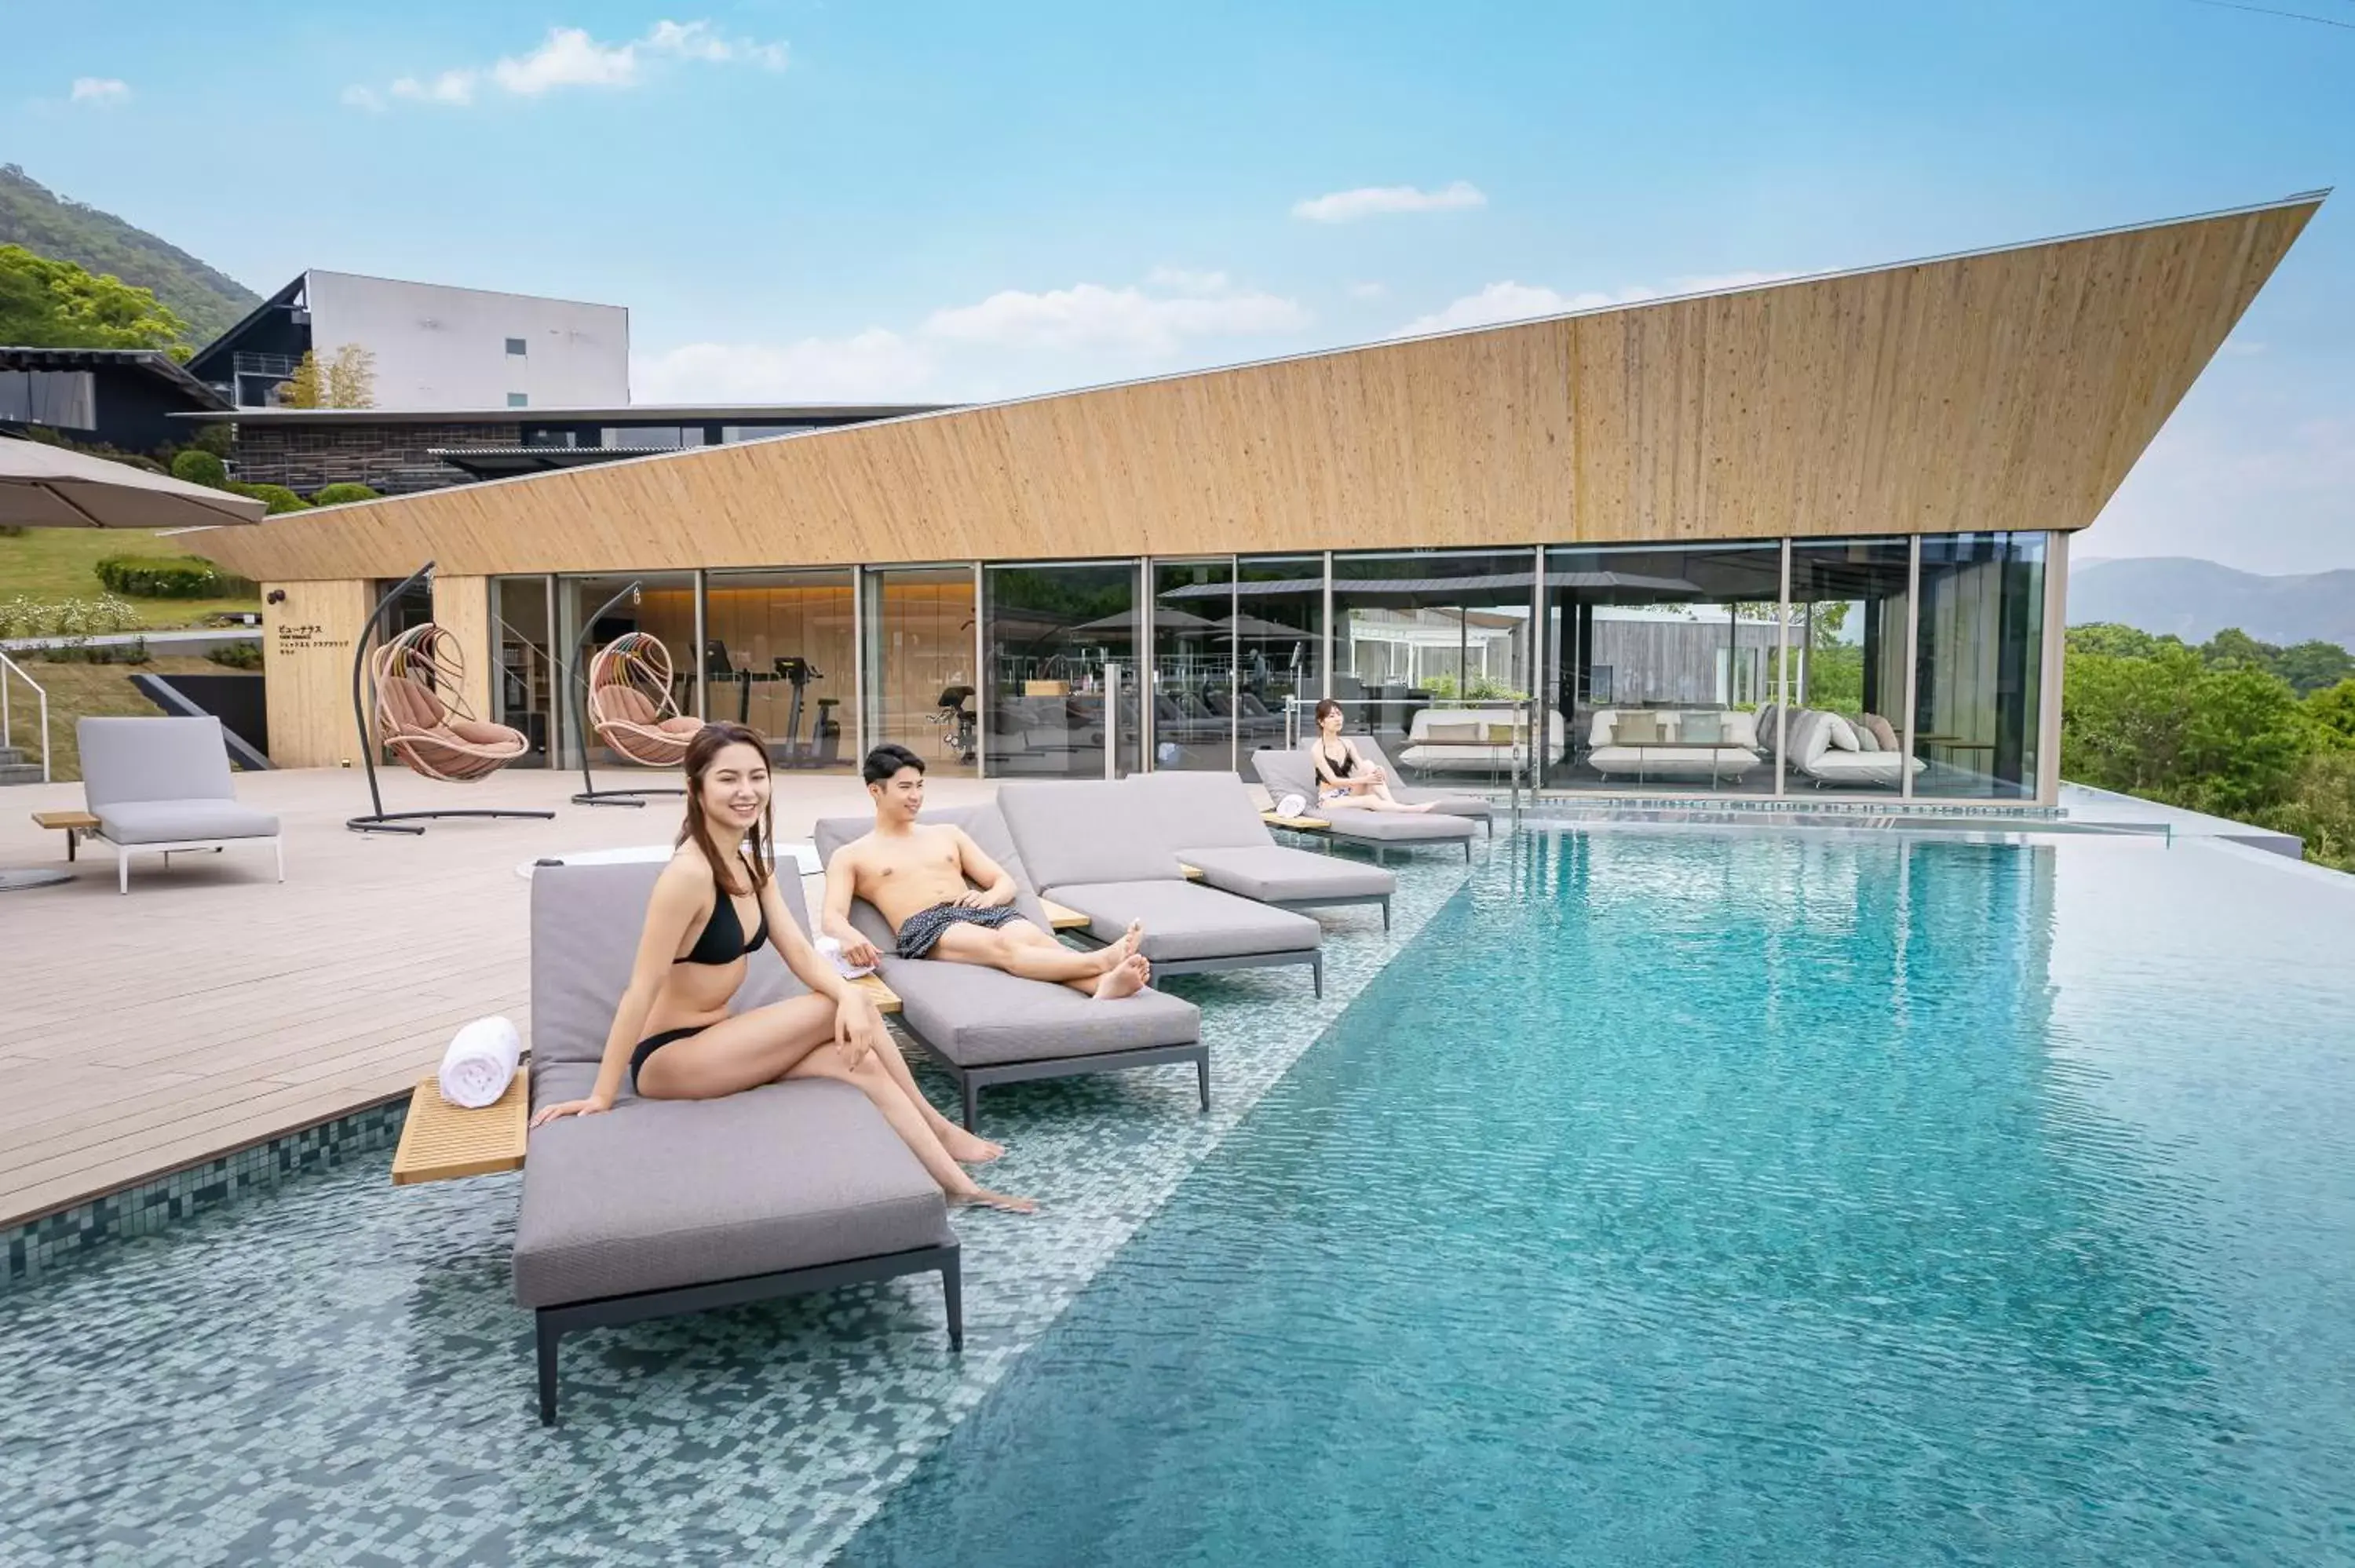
2002 389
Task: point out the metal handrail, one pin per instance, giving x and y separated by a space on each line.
7 718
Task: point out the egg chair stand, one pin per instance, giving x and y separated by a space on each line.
624 699
435 736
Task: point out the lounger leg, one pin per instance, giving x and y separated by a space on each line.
122 871
953 1296
279 845
1202 1075
972 1100
1467 849
1386 916
547 1338
1317 970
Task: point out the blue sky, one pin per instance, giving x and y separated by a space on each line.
804 200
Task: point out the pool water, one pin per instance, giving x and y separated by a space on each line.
1704 1198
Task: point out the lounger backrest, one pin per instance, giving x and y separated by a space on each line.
1285 773
1201 811
130 760
981 824
585 923
1074 832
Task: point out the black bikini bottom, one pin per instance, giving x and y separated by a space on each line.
654 1043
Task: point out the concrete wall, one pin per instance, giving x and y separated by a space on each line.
439 347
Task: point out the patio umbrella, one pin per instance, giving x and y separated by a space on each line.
1164 620
1258 626
42 486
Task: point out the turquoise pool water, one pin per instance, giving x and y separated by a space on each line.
1712 1199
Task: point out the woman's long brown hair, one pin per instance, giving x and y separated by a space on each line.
701 752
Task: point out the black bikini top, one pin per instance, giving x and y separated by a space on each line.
722 941
1343 768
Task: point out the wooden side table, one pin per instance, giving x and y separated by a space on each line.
75 824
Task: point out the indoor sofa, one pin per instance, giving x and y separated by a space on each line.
1713 746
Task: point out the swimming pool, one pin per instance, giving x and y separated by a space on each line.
1758 1199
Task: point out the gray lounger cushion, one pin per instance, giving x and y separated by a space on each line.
980 1017
1275 875
181 821
1217 830
163 780
656 1193
1071 831
1185 921
1448 802
1288 772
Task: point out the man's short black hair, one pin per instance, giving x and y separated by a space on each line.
887 759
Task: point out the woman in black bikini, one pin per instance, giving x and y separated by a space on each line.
1344 779
672 1035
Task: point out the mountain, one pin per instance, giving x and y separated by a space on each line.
48 225
2196 600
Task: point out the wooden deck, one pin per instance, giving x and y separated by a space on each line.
214 1008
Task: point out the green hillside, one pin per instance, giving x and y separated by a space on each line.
48 225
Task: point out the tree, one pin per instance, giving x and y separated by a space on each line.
2117 640
350 381
56 304
2332 711
199 467
2314 666
2235 646
347 381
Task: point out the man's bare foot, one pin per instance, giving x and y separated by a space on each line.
983 1197
968 1149
1123 979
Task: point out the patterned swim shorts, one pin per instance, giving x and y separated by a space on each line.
925 926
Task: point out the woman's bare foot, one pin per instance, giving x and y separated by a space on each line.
1423 805
1123 979
966 1147
1129 941
983 1197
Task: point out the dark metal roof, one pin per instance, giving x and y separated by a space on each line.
227 340
537 460
809 414
153 361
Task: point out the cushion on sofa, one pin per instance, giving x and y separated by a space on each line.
658 1193
1883 732
1741 728
1840 734
1700 729
182 822
1637 729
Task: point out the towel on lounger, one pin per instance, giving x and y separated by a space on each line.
831 948
480 1063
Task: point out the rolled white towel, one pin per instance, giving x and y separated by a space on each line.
832 949
1291 805
480 1063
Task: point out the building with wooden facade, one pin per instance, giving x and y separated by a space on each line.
1619 531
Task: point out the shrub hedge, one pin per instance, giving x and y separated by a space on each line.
199 467
337 495
164 576
277 498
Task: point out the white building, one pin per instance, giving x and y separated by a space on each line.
434 346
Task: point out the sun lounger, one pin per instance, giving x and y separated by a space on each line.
985 1026
161 786
1290 773
1094 847
1216 829
665 1206
1445 802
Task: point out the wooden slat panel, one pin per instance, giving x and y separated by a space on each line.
307 642
462 607
2006 389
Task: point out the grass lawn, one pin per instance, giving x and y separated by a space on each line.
52 564
76 690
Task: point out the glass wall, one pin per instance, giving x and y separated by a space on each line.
1978 671
1279 626
663 605
1193 676
1657 664
1049 634
1422 639
528 682
1846 658
919 664
781 652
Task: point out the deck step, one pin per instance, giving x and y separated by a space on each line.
20 773
11 755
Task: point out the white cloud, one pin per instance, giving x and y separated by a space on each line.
1368 201
568 57
101 91
874 365
1512 302
1091 315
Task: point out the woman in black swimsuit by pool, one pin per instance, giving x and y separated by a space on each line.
672 1035
1343 778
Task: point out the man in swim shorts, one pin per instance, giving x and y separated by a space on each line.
946 899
